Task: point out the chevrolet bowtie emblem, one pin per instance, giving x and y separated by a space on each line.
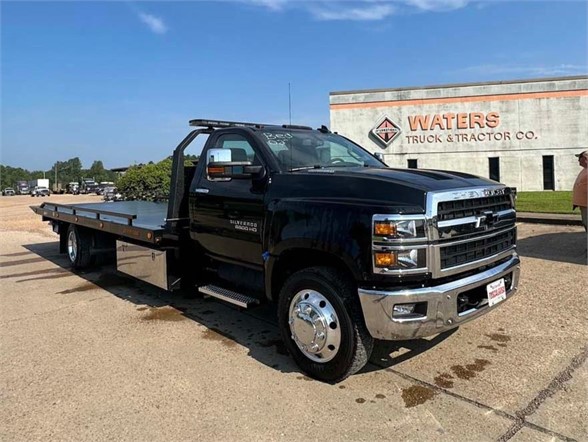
486 219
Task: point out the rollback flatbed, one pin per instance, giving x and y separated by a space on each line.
138 220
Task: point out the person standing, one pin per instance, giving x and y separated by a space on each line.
580 193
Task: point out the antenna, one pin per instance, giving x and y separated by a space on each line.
289 104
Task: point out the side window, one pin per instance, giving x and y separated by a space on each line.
240 148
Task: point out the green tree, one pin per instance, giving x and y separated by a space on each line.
97 171
67 171
10 175
149 182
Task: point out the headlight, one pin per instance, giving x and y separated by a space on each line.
390 229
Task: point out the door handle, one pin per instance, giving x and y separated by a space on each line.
202 190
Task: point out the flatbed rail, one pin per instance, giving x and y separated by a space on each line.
120 223
97 212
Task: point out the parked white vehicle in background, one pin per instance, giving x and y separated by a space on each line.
112 194
40 191
73 188
103 186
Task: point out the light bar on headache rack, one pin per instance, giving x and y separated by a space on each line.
217 124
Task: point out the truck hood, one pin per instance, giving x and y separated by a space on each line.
424 179
393 190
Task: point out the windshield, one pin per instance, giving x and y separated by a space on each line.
299 150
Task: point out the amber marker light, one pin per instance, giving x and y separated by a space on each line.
387 259
384 229
212 170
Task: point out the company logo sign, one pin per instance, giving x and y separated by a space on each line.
447 127
386 131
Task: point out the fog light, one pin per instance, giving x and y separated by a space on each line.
385 259
403 309
416 311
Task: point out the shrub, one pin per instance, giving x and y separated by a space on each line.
149 182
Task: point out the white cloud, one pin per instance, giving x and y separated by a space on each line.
438 5
540 71
366 13
154 23
358 10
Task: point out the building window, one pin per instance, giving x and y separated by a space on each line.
548 173
494 168
412 164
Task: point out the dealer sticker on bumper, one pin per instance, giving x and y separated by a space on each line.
496 292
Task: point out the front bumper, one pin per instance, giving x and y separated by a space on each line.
441 312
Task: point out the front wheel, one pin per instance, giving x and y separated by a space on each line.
322 324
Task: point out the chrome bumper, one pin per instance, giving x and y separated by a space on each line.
441 305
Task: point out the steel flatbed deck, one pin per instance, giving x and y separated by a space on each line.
139 220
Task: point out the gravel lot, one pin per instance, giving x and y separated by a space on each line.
98 356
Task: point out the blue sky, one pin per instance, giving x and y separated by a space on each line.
119 80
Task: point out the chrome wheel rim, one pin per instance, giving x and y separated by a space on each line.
314 326
72 246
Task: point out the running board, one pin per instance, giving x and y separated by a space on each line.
228 296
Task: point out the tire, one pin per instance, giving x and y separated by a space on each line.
78 247
324 296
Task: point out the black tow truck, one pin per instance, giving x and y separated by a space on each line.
349 249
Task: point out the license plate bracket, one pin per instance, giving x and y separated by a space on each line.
496 292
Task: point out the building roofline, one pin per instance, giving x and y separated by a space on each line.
454 85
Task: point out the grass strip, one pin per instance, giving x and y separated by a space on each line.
545 202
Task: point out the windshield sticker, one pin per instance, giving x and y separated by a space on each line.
277 138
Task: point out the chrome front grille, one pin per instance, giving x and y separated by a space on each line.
470 228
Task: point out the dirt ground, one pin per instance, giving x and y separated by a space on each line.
99 356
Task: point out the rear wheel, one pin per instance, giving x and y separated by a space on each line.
79 245
322 325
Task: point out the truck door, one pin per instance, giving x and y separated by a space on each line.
227 214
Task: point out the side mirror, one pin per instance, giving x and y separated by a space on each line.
220 164
379 156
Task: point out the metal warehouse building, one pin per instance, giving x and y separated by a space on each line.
522 133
